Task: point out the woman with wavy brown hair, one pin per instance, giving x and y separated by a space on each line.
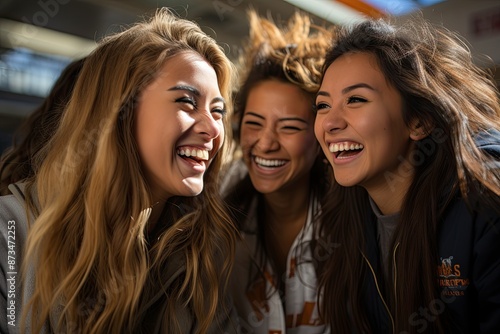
277 188
125 230
411 127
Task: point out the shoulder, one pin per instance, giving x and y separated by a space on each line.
12 213
13 226
13 210
13 232
473 222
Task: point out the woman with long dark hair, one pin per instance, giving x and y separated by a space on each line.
411 128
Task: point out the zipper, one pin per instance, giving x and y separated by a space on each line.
395 277
379 293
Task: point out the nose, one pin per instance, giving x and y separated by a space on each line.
267 140
332 121
207 125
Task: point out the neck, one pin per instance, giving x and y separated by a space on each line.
285 216
389 199
156 210
287 206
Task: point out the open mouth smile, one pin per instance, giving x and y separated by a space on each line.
268 163
345 149
193 153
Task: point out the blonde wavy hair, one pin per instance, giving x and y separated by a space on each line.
292 53
88 242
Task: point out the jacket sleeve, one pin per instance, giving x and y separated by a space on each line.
486 271
3 275
12 238
227 321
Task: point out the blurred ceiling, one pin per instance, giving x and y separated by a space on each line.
225 20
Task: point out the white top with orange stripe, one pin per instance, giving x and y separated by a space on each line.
298 311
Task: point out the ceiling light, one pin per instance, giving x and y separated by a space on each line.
330 10
14 34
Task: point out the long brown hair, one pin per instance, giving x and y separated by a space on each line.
455 101
94 267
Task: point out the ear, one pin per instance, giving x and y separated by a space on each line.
418 130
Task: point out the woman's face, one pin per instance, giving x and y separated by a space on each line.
277 136
360 125
179 126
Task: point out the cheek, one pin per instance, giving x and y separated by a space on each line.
308 144
144 138
372 129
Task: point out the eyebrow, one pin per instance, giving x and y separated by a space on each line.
359 85
191 89
347 89
195 92
219 99
280 120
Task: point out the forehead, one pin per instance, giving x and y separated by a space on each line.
352 67
280 99
189 68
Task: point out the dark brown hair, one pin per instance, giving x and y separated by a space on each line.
441 87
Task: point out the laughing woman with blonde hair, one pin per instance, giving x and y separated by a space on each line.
125 232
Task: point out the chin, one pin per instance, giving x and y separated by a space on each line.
193 188
346 182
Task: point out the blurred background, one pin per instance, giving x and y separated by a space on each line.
38 38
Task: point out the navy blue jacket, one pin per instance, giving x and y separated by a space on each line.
468 268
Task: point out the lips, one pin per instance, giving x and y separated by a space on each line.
345 148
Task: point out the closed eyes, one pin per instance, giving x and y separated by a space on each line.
252 123
355 99
186 100
292 128
221 111
192 102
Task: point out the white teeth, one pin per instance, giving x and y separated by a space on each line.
201 154
344 147
269 163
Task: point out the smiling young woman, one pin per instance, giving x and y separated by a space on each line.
284 177
410 127
126 232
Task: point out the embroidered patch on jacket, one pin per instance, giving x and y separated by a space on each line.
450 278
